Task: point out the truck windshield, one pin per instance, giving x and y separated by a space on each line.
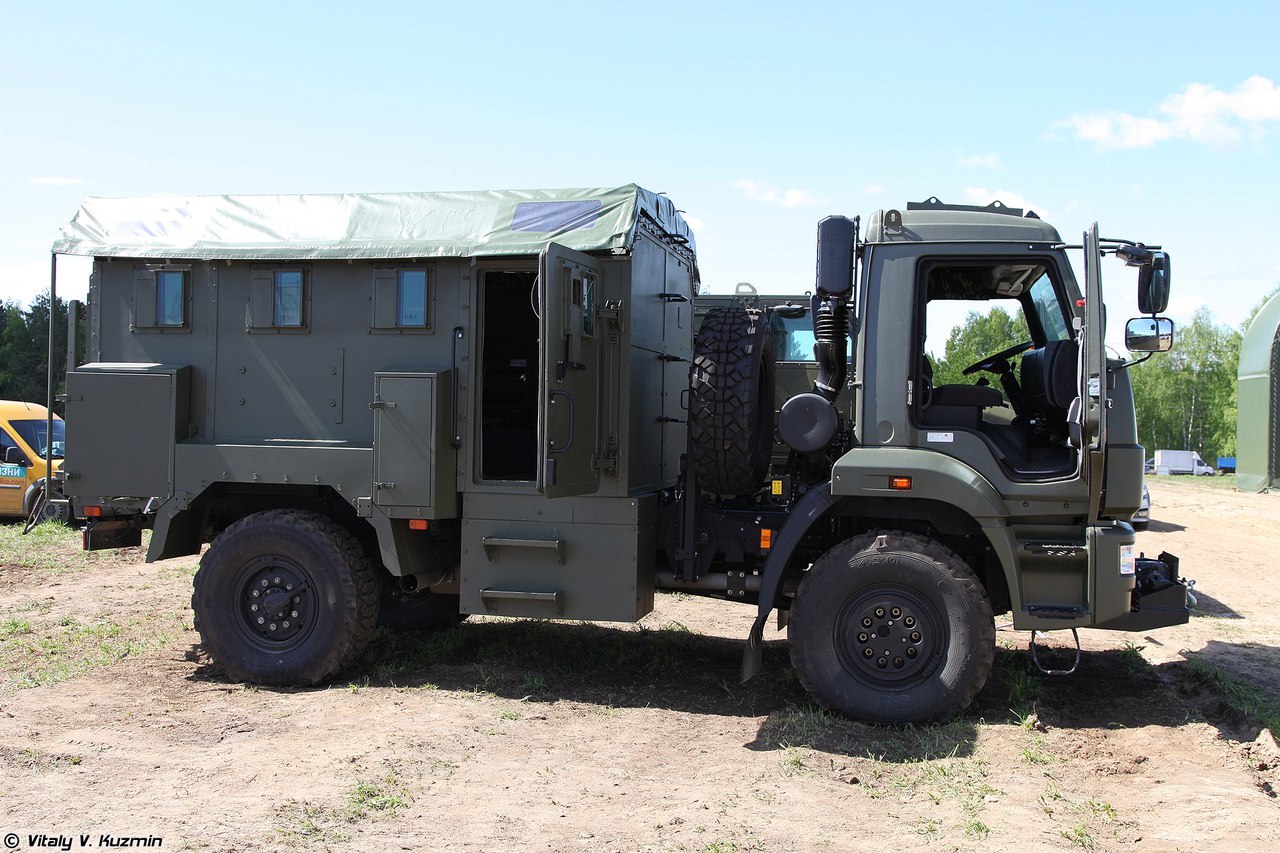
33 433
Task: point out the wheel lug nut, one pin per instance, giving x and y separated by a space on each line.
288 587
261 620
866 621
911 653
264 582
272 626
256 593
866 653
284 624
882 663
294 614
275 580
295 599
915 636
253 607
910 621
895 612
899 663
879 612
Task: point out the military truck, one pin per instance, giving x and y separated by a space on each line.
413 408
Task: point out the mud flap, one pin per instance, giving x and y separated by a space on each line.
807 510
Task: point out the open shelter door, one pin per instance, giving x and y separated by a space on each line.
569 361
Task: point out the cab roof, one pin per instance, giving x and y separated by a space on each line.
369 225
933 221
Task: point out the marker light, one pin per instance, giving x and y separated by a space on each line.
901 484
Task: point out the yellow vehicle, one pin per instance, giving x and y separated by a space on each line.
23 463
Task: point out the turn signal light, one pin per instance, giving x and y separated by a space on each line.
766 539
417 524
901 484
92 511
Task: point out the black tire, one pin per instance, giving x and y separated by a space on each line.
418 611
925 664
731 406
306 578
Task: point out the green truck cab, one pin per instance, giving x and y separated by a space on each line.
407 409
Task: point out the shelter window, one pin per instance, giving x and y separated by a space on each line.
401 300
171 298
411 298
279 300
161 298
288 298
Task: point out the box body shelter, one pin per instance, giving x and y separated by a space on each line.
505 366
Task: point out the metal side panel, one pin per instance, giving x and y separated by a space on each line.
121 429
413 461
561 569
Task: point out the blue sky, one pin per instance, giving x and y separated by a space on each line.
1159 120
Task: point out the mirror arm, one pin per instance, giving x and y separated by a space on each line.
1126 365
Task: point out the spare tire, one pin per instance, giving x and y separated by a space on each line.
731 403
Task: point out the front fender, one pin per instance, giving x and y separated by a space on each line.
866 472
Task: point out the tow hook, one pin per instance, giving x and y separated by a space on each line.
1039 666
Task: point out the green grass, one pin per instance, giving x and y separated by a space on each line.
1226 482
367 798
1242 697
48 654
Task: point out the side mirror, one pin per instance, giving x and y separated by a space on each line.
1149 334
15 456
1153 284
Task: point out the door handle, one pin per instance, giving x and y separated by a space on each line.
551 399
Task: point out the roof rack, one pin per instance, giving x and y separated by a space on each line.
934 203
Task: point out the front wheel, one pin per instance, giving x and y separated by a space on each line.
285 597
892 628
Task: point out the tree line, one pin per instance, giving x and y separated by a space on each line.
24 342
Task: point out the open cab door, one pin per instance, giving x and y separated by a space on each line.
1092 375
569 365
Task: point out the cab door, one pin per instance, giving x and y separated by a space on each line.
569 361
1092 374
13 475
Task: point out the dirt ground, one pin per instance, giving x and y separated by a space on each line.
505 735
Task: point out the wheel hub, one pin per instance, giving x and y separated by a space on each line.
889 636
275 601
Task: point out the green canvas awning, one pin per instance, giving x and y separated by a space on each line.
368 225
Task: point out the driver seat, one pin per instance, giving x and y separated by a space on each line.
953 405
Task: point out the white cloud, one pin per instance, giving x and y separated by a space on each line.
873 189
983 196
767 194
973 160
57 182
1199 112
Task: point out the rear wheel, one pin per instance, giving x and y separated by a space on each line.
892 628
43 510
731 410
285 597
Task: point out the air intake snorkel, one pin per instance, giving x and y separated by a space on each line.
808 422
830 305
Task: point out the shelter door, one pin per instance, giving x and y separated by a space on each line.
569 367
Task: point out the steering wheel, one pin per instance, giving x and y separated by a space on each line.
998 363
